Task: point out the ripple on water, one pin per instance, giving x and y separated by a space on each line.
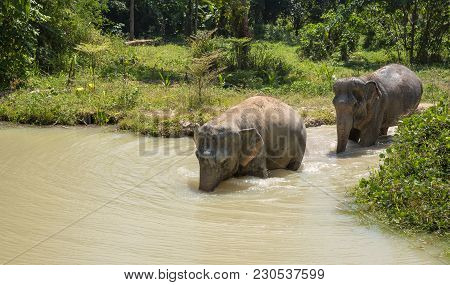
147 208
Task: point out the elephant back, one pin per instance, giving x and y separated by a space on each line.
401 87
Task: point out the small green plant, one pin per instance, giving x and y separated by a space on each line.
127 99
203 70
92 51
327 72
165 80
202 43
72 70
240 52
271 77
222 79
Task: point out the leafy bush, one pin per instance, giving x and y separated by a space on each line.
339 31
411 188
203 43
127 99
314 42
42 35
17 48
283 30
377 33
267 64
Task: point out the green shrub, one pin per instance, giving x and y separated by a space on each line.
127 98
267 64
283 30
17 48
339 32
41 37
314 42
202 43
411 187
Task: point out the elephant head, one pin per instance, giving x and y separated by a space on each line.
354 102
221 152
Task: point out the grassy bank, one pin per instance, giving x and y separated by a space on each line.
410 190
148 89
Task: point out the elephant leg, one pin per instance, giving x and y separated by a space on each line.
257 167
294 164
368 139
354 135
384 131
369 135
260 172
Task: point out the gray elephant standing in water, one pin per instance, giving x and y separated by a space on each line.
367 106
259 134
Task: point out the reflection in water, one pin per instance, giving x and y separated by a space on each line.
87 196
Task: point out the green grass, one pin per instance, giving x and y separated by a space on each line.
129 89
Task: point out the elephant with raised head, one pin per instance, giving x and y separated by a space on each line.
367 106
257 135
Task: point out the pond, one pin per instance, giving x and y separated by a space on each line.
95 196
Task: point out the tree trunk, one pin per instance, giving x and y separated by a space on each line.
196 17
422 54
245 32
257 15
131 36
239 18
188 24
413 32
221 25
405 31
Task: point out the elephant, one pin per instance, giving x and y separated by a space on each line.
367 106
260 134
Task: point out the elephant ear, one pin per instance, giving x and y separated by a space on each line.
251 145
372 91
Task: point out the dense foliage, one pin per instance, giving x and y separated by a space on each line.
41 36
417 30
411 188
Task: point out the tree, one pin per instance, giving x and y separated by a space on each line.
40 35
434 32
131 36
239 18
421 26
188 19
17 48
196 17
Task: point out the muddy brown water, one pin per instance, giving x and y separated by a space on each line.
94 196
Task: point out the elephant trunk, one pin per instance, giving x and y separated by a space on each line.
209 177
344 124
